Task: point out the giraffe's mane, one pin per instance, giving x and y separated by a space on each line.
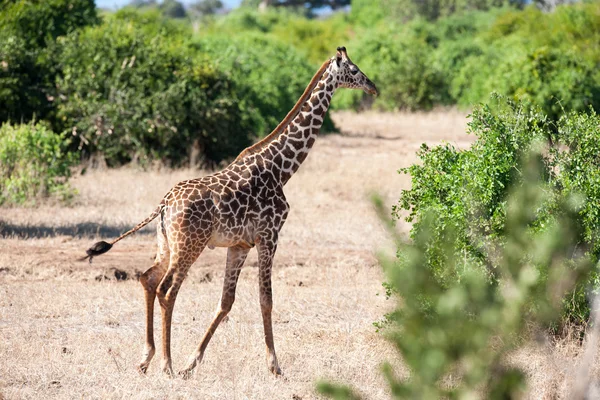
256 147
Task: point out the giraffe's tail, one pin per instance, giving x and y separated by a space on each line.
102 247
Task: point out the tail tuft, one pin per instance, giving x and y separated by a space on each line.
97 249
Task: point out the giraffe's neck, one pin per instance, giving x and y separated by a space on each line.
287 152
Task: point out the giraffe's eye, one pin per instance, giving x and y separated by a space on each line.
354 71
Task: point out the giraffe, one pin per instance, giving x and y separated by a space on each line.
240 207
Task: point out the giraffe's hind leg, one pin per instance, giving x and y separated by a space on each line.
181 259
150 280
235 260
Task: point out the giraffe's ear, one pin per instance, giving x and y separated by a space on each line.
338 55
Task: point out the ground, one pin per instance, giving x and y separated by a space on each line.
73 329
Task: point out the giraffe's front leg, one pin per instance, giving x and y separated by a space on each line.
266 252
235 260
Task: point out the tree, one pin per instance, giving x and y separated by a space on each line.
143 3
173 9
405 10
310 4
206 7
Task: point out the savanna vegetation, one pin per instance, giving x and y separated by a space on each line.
151 82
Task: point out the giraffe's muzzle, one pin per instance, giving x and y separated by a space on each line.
370 88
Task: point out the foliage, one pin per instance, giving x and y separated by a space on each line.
467 190
33 164
316 40
22 83
415 64
550 60
531 56
369 12
173 9
167 8
546 59
37 21
27 71
130 93
576 157
151 22
398 62
303 5
466 328
206 7
269 76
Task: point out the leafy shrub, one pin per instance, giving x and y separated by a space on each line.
466 328
397 65
27 70
22 81
576 157
370 12
504 250
129 93
546 59
556 80
151 21
269 76
415 64
34 163
542 58
39 21
467 189
314 39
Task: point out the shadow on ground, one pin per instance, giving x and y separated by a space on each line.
82 230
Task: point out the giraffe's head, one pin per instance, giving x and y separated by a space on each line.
349 75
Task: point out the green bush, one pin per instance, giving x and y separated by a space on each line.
398 65
414 64
27 70
369 12
34 163
314 39
269 76
467 189
151 21
23 85
546 59
556 80
131 93
456 337
40 21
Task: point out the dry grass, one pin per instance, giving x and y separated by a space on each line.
70 329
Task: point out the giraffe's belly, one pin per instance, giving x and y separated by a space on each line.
230 239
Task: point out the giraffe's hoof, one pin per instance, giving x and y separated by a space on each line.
275 370
185 374
142 368
168 371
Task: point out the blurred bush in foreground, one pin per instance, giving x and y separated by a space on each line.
455 335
